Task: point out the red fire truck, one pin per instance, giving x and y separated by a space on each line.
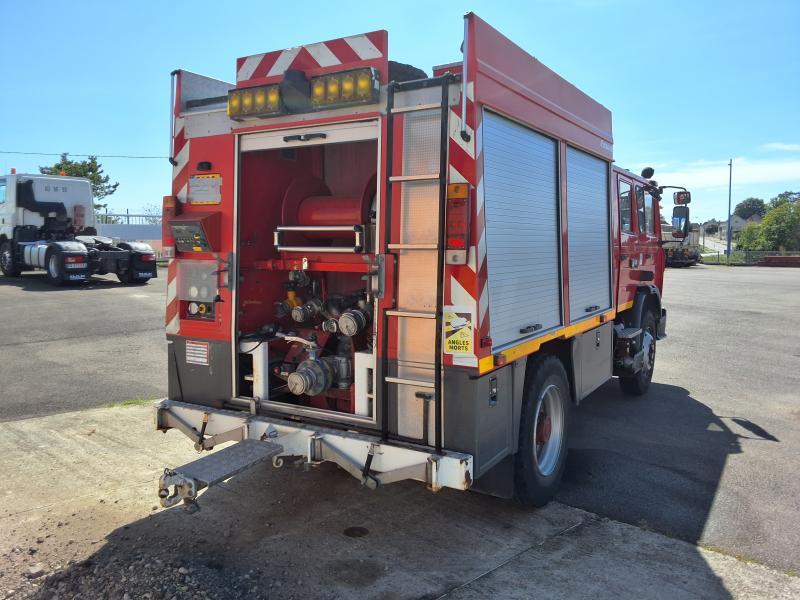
413 277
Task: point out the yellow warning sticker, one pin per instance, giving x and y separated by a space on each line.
458 330
205 188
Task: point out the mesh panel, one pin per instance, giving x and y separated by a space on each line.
421 133
419 218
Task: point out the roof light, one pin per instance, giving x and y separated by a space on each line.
361 86
262 101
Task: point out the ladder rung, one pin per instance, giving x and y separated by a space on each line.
415 382
413 246
411 314
402 109
427 177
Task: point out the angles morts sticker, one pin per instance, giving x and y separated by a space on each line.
458 330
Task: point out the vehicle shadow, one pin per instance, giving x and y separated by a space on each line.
655 461
37 282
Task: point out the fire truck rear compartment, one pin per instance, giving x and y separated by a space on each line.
304 318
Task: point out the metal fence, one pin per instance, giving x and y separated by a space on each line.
750 257
127 218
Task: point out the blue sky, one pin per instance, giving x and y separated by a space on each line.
690 84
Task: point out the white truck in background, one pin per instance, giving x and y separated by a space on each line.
48 222
683 252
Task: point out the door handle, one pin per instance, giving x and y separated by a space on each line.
589 309
304 137
531 328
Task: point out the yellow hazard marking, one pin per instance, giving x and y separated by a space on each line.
458 332
486 364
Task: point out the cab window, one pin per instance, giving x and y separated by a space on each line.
625 206
2 191
649 213
641 217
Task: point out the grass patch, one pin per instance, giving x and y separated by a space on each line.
133 402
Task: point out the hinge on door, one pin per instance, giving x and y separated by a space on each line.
376 275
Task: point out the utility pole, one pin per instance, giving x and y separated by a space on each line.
730 180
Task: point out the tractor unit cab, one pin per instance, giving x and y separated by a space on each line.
382 269
48 222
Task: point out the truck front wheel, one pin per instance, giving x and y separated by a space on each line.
54 262
8 265
638 384
542 451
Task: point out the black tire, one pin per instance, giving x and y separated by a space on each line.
126 277
54 267
637 385
537 472
8 265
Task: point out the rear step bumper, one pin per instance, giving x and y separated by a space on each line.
368 458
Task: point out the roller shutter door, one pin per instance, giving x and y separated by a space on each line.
520 180
589 246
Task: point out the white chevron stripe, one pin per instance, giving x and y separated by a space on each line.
172 290
174 325
465 361
284 61
181 159
183 194
361 45
471 258
481 248
179 124
455 135
471 90
323 55
458 295
483 304
455 176
248 66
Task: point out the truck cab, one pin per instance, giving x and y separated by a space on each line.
48 222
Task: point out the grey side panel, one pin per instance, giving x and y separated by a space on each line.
521 208
592 359
199 384
476 421
589 242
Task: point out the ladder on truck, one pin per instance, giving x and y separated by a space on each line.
412 383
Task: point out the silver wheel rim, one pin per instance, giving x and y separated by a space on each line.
52 266
5 259
548 429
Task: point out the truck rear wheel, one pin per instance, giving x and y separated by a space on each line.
8 265
128 278
542 451
54 265
637 385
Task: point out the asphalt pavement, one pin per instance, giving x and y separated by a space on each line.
709 456
74 347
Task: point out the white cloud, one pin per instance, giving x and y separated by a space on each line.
713 175
782 146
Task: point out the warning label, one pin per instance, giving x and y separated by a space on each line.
205 189
457 330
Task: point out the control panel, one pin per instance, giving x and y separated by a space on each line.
196 232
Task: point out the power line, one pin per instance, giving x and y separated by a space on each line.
79 155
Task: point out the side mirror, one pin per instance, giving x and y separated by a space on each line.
682 197
680 221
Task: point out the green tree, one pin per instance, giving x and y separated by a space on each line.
751 238
780 228
783 198
749 207
89 168
712 228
